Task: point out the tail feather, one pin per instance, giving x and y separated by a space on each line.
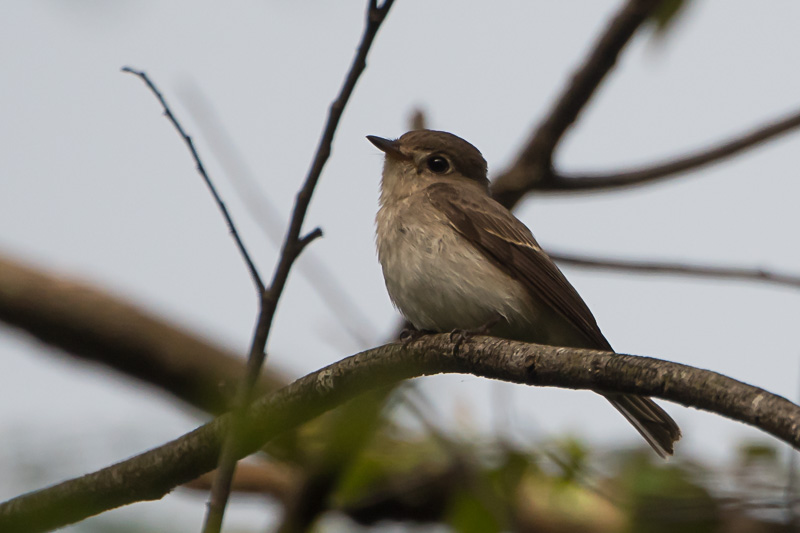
651 421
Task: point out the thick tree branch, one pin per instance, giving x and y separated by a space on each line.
679 269
558 182
93 325
536 158
154 473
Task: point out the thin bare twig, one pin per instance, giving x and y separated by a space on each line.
292 247
536 158
681 269
558 182
202 170
339 301
154 473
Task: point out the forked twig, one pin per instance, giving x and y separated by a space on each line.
292 247
536 158
343 308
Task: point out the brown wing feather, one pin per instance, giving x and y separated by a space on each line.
495 231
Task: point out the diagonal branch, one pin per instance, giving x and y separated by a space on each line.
340 302
679 269
90 324
292 247
535 161
559 182
202 170
154 473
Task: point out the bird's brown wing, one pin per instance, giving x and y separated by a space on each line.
497 233
493 230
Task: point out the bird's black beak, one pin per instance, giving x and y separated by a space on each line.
387 146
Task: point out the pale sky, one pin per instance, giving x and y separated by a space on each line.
96 184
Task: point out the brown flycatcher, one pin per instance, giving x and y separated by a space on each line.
455 259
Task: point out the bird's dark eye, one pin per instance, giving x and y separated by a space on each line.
438 164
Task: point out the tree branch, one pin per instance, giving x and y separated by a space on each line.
559 182
675 268
292 246
202 170
276 480
330 290
93 325
536 158
154 473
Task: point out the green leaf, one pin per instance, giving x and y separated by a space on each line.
468 514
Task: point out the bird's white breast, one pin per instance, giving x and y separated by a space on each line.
436 278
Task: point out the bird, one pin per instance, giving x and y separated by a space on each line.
454 259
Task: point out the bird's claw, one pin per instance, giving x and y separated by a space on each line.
409 335
460 336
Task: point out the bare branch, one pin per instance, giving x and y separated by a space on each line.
202 170
339 301
680 269
559 182
292 247
305 240
536 158
154 473
93 325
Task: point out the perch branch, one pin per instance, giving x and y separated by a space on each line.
154 473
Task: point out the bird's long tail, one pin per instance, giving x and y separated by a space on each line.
655 425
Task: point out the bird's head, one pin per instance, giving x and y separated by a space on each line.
421 157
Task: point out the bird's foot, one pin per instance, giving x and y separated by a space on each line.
409 335
460 336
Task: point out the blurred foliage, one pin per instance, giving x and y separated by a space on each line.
359 464
662 498
469 484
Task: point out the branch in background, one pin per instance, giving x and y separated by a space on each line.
420 496
558 182
276 480
202 170
92 325
533 169
347 433
154 473
292 247
680 269
536 159
417 120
